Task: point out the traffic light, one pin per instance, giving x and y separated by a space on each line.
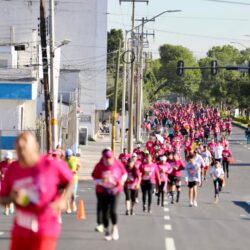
214 67
180 68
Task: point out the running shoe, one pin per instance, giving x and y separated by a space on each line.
127 213
99 229
195 204
107 237
115 234
7 212
132 212
191 204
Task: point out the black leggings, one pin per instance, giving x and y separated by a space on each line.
99 209
226 167
108 207
161 194
217 186
147 190
131 195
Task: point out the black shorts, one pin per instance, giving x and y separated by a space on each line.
130 195
173 180
191 184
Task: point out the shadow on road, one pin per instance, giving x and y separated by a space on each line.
243 205
241 164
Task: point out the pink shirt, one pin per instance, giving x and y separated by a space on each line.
177 167
41 184
149 172
164 170
133 178
109 177
226 153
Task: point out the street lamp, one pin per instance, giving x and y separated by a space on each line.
54 93
131 101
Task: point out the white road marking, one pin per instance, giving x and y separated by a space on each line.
166 209
1 233
239 161
248 148
169 244
166 217
168 227
245 146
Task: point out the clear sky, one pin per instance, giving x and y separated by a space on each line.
200 25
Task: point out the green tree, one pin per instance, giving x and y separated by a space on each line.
114 36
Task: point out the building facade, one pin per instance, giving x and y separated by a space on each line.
83 61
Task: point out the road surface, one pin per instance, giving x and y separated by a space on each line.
223 226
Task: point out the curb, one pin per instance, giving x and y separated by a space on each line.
239 125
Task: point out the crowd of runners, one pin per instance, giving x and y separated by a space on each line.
184 143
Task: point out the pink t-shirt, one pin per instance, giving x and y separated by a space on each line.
226 153
177 167
41 184
109 177
164 170
133 178
149 172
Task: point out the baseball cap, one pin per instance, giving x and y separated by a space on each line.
107 153
69 153
134 155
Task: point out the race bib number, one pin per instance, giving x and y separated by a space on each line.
27 220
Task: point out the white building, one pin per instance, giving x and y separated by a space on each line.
83 61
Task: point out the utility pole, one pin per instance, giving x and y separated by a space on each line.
140 70
132 89
124 88
114 113
45 75
53 87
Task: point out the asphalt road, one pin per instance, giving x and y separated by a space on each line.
223 226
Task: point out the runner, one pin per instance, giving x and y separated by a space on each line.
207 158
150 177
74 165
175 176
217 175
164 169
218 152
31 183
193 179
109 175
247 133
4 165
123 157
227 154
131 186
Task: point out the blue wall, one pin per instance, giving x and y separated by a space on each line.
7 142
15 91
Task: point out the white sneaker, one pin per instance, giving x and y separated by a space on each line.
69 211
115 234
107 237
195 204
191 204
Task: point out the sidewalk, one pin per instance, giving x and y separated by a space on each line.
91 154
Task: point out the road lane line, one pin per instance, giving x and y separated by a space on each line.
168 227
1 233
166 209
166 217
169 244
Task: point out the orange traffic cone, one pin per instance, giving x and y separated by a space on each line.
81 211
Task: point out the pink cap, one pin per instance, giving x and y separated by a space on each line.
107 153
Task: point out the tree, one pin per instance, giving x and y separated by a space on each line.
114 36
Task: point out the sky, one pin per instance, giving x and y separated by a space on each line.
200 26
